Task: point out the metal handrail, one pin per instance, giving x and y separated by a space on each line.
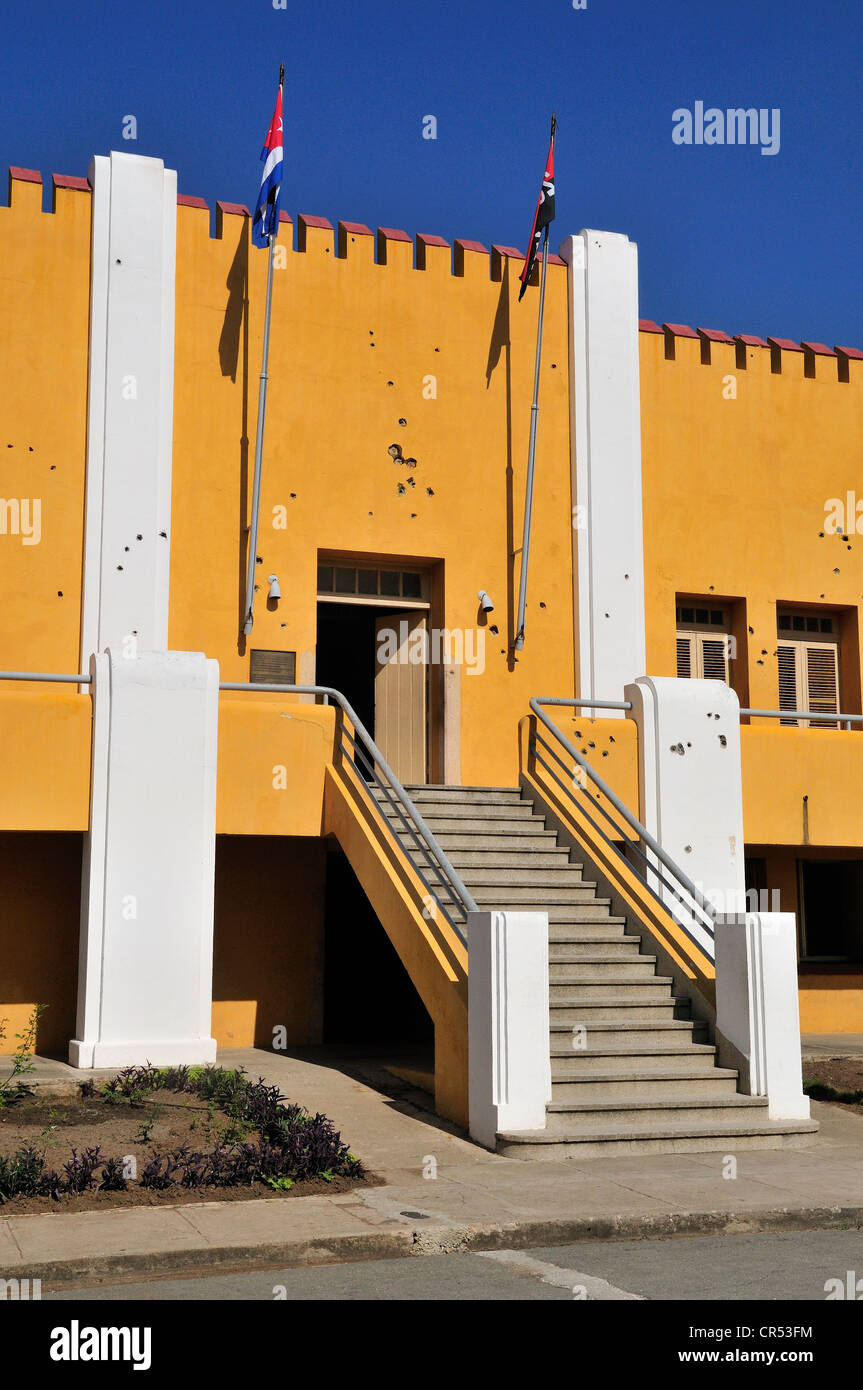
821 716
424 841
44 676
678 879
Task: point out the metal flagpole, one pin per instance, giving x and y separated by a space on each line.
259 439
531 457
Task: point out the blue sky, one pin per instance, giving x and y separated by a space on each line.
728 238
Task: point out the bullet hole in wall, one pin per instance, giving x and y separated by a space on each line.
119 567
437 349
412 482
139 538
389 383
126 548
410 463
29 448
413 516
395 452
164 535
542 605
821 535
554 366
401 489
429 492
835 571
293 496
52 468
59 593
611 738
402 422
371 513
752 629
494 629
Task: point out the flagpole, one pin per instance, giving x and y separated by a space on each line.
259 438
531 458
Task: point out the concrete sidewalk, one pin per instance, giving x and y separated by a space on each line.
475 1200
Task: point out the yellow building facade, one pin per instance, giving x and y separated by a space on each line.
401 371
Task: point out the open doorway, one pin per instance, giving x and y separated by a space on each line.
372 645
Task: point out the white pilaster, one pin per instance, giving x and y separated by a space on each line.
510 1061
146 947
757 1009
130 410
690 787
608 558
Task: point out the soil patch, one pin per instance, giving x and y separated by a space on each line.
836 1080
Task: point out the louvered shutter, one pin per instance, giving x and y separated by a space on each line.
789 698
713 663
684 657
822 681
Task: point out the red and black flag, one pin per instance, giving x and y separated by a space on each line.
542 217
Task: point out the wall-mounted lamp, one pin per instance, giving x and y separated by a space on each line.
485 602
275 591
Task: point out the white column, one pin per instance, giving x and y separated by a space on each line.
690 783
146 946
129 421
757 1009
608 562
508 1022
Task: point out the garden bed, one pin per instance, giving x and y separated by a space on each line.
154 1137
837 1080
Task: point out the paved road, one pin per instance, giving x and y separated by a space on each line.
736 1267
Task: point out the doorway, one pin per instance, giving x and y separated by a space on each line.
372 645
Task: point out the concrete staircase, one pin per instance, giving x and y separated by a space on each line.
644 1078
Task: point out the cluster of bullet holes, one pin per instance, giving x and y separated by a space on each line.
371 335
139 537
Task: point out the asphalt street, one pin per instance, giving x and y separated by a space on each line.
796 1265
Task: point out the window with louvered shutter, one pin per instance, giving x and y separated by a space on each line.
822 683
714 663
808 667
703 642
788 696
684 657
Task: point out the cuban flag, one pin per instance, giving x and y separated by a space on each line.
265 222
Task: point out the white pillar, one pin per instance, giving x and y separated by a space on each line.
508 1023
757 1009
605 402
130 409
690 785
146 946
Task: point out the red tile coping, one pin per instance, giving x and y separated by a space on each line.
648 326
555 259
714 335
25 175
512 251
786 344
820 349
471 246
70 181
428 240
749 340
393 234
284 217
309 221
186 200
239 209
850 352
680 330
356 228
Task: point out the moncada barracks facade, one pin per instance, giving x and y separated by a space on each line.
587 892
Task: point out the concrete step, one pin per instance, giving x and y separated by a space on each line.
446 791
476 813
616 1116
561 880
717 1136
518 865
469 824
707 1085
593 946
518 895
493 841
560 914
600 990
681 1058
565 931
602 967
599 1034
611 1007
